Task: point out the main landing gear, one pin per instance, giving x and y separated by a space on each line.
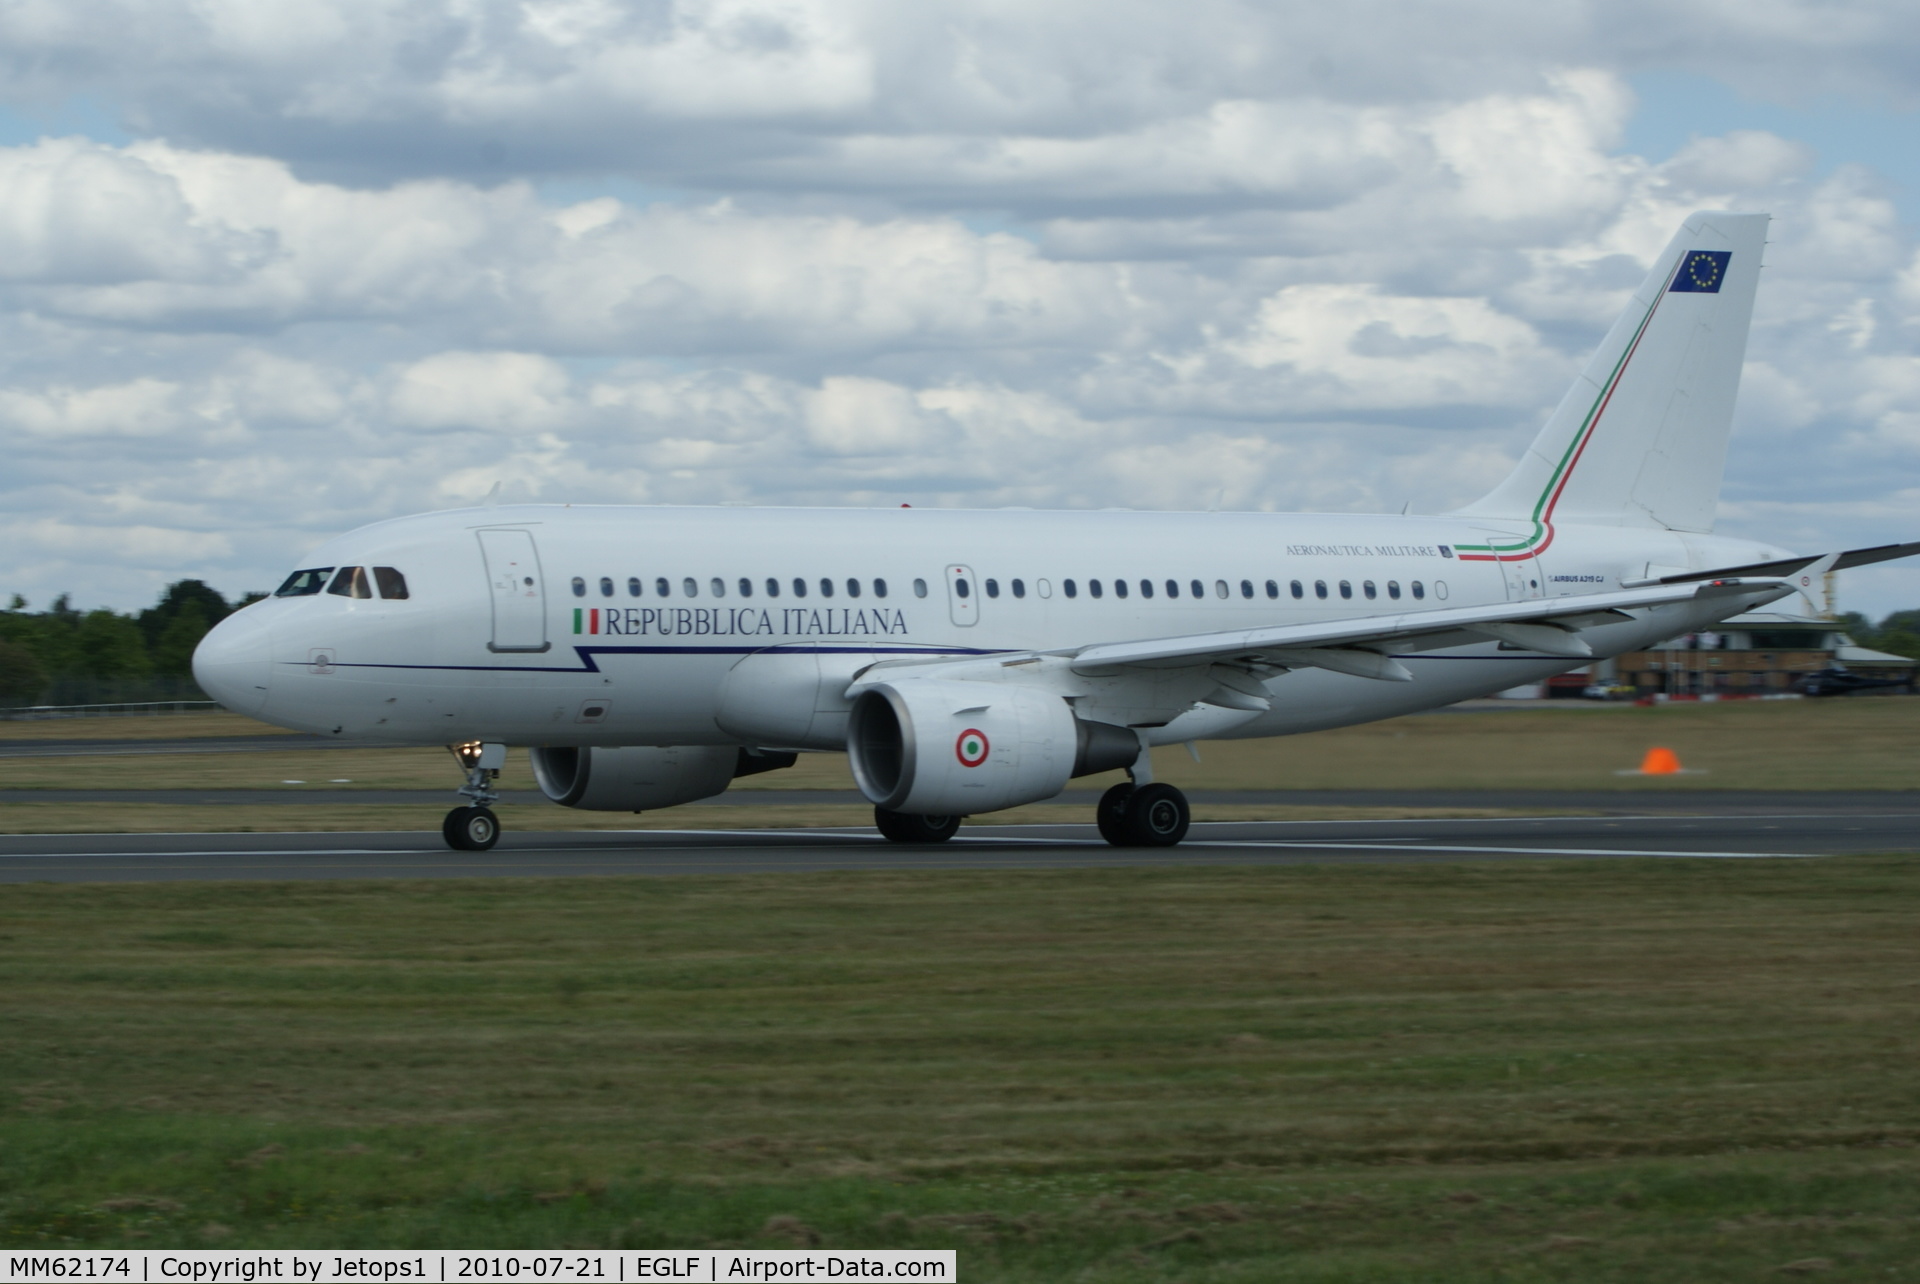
1150 815
474 827
906 827
1142 812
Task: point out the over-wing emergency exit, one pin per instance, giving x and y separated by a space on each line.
971 661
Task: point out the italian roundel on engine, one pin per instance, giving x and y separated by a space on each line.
950 747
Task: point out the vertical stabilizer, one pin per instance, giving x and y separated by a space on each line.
1641 437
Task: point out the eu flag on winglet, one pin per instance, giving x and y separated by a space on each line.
1701 272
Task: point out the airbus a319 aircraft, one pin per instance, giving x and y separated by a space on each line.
969 661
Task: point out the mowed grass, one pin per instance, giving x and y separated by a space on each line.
158 726
1789 744
255 818
1648 1071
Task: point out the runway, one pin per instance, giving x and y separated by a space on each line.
1784 833
1635 801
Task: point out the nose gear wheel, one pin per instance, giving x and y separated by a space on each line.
471 829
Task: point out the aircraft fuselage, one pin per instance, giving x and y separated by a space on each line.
555 625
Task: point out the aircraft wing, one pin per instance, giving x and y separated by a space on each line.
1789 566
1361 646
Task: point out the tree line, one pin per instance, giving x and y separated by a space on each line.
1898 634
66 656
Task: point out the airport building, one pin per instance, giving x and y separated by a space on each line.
1760 653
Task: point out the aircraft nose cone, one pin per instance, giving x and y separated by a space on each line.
234 662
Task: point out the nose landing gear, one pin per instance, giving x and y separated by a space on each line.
474 827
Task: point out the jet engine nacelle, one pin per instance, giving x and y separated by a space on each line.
939 747
644 778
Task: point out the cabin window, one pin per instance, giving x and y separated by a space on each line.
1295 588
634 587
1198 591
1320 589
1273 589
1094 587
1019 587
826 587
746 587
304 583
690 586
1146 588
799 587
351 581
1173 588
1370 590
1246 588
879 588
1119 588
393 585
579 587
1346 588
919 588
1393 589
661 588
1419 590
1220 588
964 589
1069 588
853 587
773 587
718 586
606 586
993 587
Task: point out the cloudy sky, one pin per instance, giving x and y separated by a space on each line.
269 272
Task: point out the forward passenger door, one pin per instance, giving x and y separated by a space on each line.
518 591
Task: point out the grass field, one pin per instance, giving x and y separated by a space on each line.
1647 1071
1799 744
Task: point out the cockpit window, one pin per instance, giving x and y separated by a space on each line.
304 583
393 585
351 581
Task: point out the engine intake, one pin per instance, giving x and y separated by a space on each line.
644 778
941 747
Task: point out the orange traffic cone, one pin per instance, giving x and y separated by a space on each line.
1660 762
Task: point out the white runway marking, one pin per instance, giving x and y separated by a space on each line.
1342 844
281 851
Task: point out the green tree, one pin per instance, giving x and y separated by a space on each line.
107 645
173 653
22 679
179 597
1898 640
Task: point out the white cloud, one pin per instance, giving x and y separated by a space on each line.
1283 256
1350 346
491 391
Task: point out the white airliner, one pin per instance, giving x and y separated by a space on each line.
970 661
